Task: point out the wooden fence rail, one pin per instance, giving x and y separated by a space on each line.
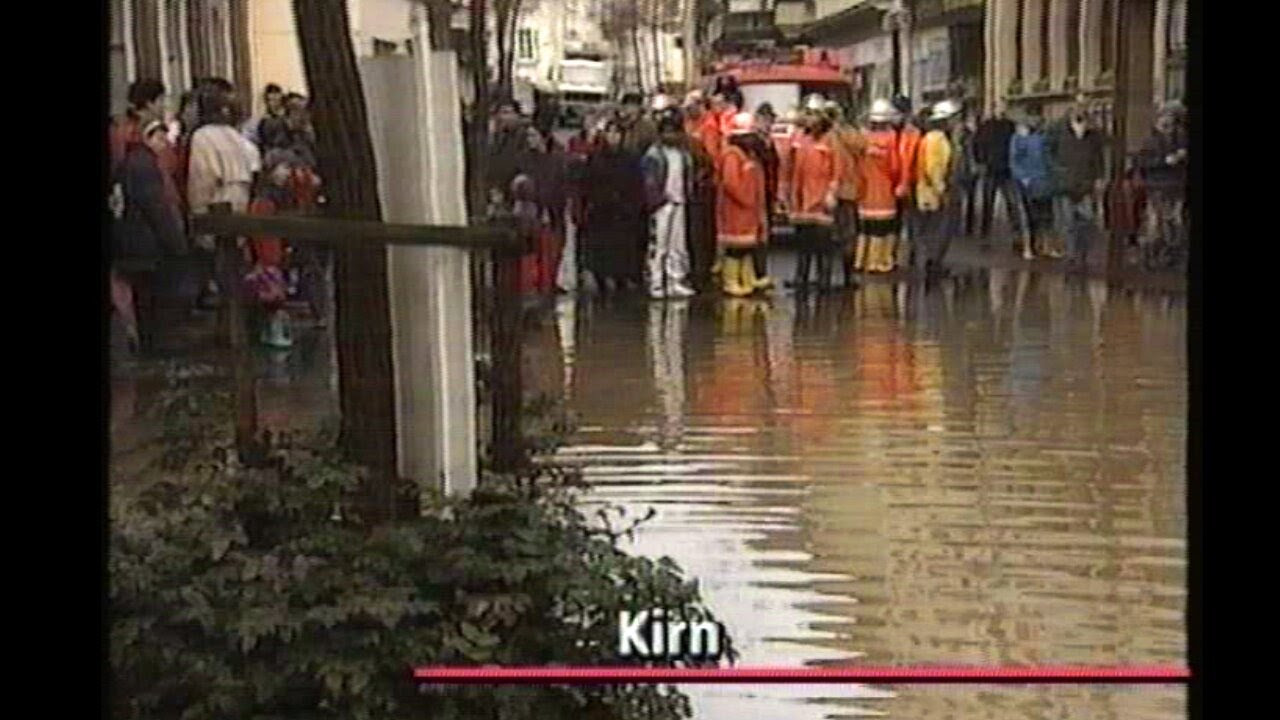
496 237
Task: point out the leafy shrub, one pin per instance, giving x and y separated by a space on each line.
256 592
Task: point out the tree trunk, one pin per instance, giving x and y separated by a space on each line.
508 20
478 128
344 153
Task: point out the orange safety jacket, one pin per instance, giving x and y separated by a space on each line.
740 202
815 175
908 146
880 174
849 145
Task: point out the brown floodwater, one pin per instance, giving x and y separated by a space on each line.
989 471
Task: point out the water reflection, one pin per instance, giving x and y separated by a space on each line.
986 470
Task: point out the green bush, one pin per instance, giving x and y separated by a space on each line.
255 592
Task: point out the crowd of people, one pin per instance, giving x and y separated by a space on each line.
679 199
675 198
165 167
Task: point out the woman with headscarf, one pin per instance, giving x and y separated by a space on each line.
614 212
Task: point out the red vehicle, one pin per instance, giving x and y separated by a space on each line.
785 80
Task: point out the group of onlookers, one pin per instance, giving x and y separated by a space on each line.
682 198
164 169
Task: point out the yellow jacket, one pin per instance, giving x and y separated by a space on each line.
933 165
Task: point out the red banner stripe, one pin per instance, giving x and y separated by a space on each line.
899 675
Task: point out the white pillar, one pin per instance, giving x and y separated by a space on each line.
1160 52
414 120
130 54
446 333
1059 31
1090 41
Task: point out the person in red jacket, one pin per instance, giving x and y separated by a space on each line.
909 136
815 176
740 208
266 280
880 176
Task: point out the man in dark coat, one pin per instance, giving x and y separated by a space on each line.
991 151
150 232
1077 167
508 143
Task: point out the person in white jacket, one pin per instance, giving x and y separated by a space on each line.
222 163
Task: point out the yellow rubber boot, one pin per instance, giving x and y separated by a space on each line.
890 249
759 283
747 274
731 277
875 253
860 254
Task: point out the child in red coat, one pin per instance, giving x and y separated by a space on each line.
267 281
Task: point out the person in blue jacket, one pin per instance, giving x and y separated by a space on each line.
1029 167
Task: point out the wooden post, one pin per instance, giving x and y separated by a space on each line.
234 325
362 306
508 391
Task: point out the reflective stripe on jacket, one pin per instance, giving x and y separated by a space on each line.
815 175
740 205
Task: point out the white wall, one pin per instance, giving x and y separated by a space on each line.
388 20
276 57
274 53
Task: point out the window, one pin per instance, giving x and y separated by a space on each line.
527 45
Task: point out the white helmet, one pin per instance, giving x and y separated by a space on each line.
661 102
815 103
882 111
944 110
742 124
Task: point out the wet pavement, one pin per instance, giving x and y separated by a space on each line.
988 470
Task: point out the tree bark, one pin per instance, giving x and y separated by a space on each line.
508 16
344 152
478 129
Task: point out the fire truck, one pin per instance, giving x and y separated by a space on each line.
784 78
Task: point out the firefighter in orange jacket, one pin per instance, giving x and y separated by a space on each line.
740 208
909 136
815 177
880 177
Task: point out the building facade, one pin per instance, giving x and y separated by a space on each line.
176 41
1045 53
926 49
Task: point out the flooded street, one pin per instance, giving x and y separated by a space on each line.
988 472
991 471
